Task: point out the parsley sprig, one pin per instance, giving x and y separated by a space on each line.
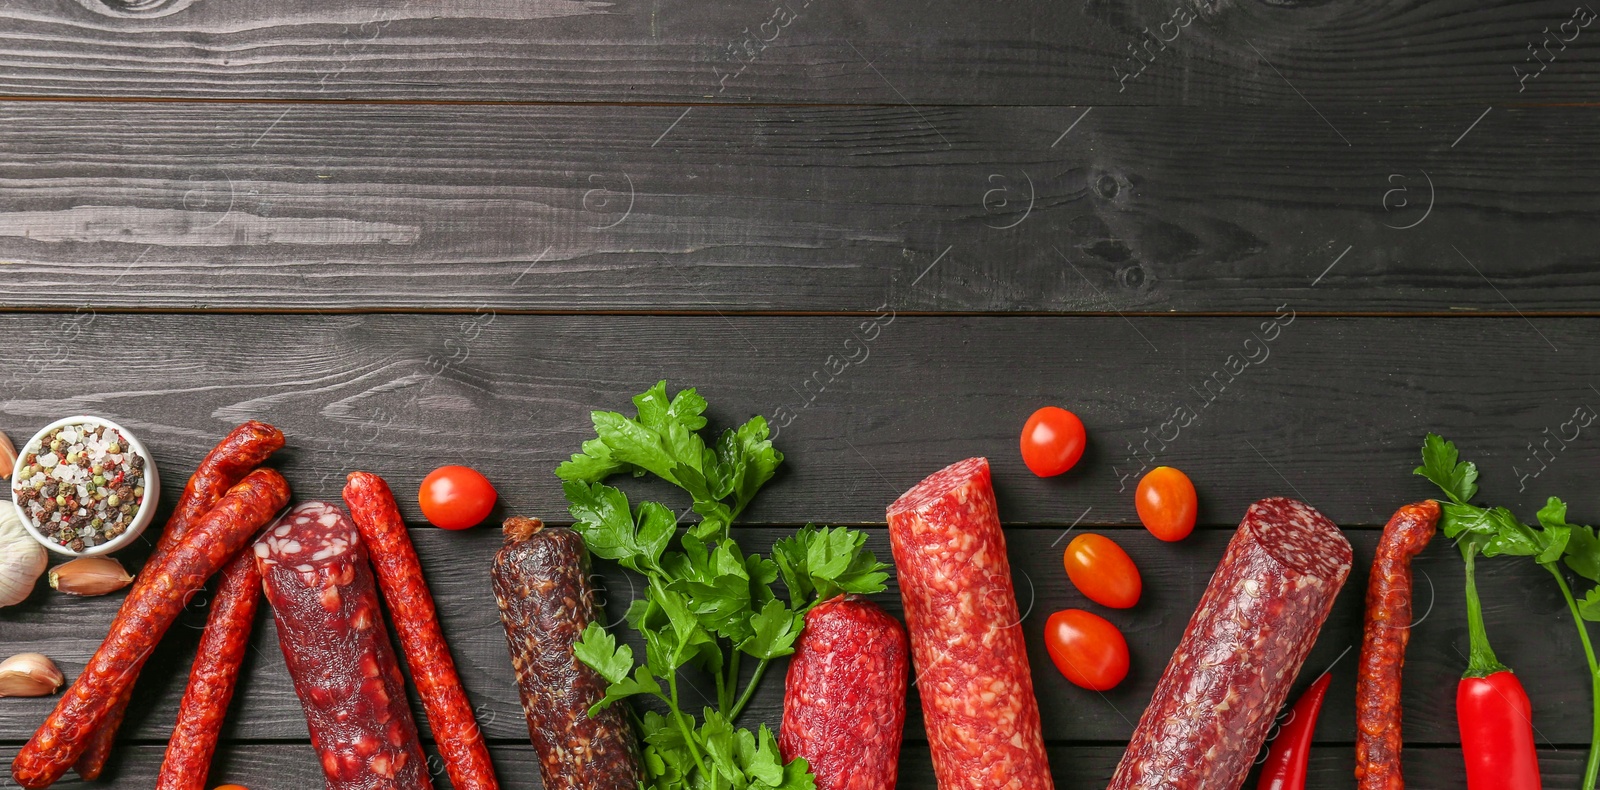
706 603
1496 531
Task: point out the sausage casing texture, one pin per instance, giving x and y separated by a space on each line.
213 677
541 583
844 701
243 449
1253 628
1383 645
144 617
399 572
315 574
966 633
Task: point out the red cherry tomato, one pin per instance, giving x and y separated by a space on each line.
1166 503
1087 648
1052 441
1101 570
456 497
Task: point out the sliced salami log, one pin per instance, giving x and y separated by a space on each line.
541 582
844 704
1255 624
315 573
145 616
966 634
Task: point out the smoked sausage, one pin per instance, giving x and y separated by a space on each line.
1254 627
541 583
399 572
315 574
966 633
145 616
243 449
213 677
844 701
1383 645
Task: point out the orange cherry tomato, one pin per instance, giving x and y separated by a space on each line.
1166 503
1052 441
1087 648
456 497
1101 570
231 787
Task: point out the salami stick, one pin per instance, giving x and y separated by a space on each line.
1383 645
541 584
243 449
145 616
399 573
211 681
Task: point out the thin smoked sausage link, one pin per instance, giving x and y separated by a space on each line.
145 616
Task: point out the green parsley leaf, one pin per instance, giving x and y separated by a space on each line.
1589 607
1583 552
599 649
602 518
827 562
1440 463
773 631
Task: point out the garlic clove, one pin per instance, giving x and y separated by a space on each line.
90 576
8 456
29 675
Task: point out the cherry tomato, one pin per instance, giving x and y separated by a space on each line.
1052 441
1166 503
1087 648
456 497
231 787
1101 570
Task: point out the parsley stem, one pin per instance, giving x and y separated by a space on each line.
677 715
1591 769
749 690
725 691
1481 661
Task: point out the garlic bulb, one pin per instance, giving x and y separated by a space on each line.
29 675
22 559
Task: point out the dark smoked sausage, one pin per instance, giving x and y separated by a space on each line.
315 573
145 616
243 449
213 677
1254 627
844 702
966 633
541 582
1383 645
394 559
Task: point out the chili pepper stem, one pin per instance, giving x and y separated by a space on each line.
1481 661
1591 769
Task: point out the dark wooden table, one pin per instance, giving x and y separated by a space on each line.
418 233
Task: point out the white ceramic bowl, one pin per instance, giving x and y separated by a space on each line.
141 519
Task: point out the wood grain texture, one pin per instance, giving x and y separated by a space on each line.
1329 409
1528 623
1135 209
1073 767
945 52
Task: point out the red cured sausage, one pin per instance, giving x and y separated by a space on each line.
314 570
844 702
243 449
145 616
966 634
1383 645
399 572
1255 624
212 680
541 583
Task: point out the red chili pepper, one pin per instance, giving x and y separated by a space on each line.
1285 766
1492 710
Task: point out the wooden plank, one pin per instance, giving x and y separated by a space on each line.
1289 55
295 765
1135 209
1529 625
1330 409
